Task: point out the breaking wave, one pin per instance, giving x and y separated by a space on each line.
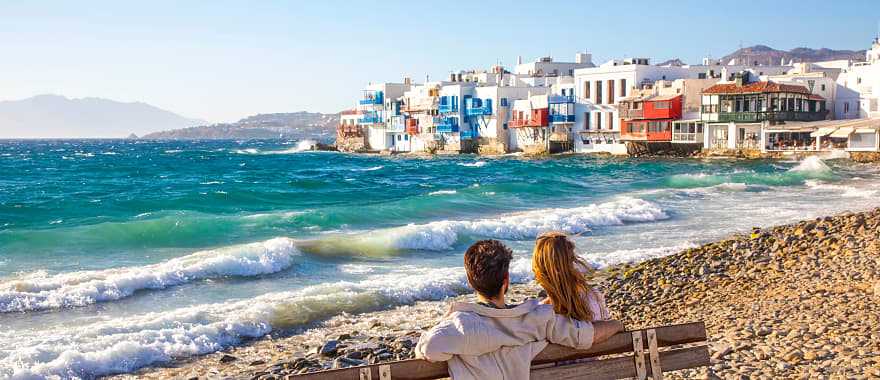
443 235
41 291
126 344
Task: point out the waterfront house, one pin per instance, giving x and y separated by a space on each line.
378 107
599 89
350 136
735 113
529 122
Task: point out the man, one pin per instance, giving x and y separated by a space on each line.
492 340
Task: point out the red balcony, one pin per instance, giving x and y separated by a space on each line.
412 126
534 118
646 130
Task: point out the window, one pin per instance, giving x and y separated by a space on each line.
504 126
845 107
823 87
664 105
587 124
623 87
701 76
586 90
610 91
598 120
598 94
504 102
858 80
609 120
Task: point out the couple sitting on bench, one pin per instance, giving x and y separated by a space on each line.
493 340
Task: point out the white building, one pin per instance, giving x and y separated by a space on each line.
378 106
598 89
858 90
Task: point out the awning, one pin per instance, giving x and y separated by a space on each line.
866 130
842 132
822 132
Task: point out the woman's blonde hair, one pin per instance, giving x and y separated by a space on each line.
558 269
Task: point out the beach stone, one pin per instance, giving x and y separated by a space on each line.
329 348
226 358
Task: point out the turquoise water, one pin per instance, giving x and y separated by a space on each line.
116 255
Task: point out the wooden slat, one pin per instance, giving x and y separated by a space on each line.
414 369
622 342
622 367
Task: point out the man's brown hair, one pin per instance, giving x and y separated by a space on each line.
487 263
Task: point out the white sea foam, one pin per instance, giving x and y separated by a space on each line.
443 192
370 169
40 291
477 164
604 259
302 146
812 164
443 235
841 190
125 344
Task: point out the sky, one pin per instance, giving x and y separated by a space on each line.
224 60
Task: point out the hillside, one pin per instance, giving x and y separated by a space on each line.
766 55
295 125
55 116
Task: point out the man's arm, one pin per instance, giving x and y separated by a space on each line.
602 330
582 335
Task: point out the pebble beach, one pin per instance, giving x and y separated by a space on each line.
797 301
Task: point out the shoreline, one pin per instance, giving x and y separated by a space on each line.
797 300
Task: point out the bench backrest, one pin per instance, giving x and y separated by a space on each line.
683 346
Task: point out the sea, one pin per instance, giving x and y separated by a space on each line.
121 254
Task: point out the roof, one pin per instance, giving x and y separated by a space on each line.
755 88
815 97
350 112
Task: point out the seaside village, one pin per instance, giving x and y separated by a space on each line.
626 107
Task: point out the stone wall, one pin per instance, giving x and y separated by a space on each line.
352 143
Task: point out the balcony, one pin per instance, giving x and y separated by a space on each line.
372 98
754 117
448 104
629 113
560 99
562 118
446 124
397 125
370 119
477 107
521 123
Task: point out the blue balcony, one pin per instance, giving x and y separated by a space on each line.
370 118
560 99
446 124
477 107
372 98
448 104
562 118
466 135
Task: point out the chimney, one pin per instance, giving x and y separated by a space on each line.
519 60
407 80
452 77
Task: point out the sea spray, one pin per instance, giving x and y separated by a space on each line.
84 288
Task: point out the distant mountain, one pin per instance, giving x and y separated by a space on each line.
671 62
765 55
55 116
295 125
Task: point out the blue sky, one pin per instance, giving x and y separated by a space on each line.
223 60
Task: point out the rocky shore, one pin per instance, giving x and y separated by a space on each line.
796 301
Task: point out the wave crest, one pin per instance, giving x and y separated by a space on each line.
41 291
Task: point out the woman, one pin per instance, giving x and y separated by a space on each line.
561 273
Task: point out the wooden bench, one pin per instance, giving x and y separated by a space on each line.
639 354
